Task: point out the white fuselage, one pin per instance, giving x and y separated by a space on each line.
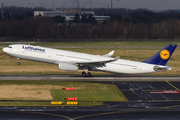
55 56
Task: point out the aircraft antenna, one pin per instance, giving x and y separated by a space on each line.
52 4
111 4
2 12
78 5
91 3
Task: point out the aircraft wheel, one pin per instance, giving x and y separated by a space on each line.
89 74
84 74
18 63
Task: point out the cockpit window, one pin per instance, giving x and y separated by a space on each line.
9 47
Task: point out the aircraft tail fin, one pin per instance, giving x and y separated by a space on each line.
162 57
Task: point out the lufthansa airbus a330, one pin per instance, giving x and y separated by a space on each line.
72 61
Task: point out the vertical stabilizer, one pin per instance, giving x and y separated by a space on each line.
162 57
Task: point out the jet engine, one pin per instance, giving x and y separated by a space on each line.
162 68
67 66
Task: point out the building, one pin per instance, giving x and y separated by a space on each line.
69 14
50 13
98 18
88 12
70 10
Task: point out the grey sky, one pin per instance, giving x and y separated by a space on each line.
132 4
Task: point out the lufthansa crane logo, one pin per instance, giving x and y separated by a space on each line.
164 54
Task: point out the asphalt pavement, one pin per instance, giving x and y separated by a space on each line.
95 78
150 97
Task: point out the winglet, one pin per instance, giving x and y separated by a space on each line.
109 54
115 59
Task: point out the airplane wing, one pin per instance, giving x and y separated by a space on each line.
96 63
109 54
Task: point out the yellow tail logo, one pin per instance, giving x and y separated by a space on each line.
164 54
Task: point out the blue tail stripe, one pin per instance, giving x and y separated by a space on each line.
157 59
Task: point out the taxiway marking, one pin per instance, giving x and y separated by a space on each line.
172 85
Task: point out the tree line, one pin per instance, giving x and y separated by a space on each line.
124 24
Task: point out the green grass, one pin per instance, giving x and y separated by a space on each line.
91 93
25 103
47 104
106 43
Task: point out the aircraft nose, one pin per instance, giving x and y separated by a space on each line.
4 49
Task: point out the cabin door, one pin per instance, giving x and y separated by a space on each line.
139 67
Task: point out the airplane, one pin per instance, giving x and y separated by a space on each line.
72 61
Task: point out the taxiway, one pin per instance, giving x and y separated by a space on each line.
150 97
95 78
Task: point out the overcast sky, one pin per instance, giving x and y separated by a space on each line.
132 4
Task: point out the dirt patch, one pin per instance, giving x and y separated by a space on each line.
27 92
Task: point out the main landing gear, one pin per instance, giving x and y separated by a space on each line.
86 74
18 63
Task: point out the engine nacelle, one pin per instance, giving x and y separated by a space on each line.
67 67
164 68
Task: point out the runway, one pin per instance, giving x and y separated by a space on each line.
95 78
150 97
86 115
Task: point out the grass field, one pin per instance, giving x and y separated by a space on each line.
107 44
47 104
51 91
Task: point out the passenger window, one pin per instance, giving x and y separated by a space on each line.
9 47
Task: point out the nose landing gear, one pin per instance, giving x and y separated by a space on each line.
18 63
